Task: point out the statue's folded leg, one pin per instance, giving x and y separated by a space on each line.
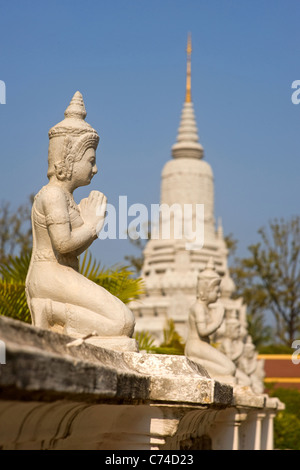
72 303
213 368
242 378
218 365
75 320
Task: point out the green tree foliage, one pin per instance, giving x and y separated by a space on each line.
260 332
118 280
145 341
15 230
269 279
172 343
287 422
136 261
231 244
172 340
275 349
12 287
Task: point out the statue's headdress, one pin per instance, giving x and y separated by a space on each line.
209 272
70 138
74 122
249 344
208 277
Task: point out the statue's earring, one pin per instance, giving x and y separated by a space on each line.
60 171
202 296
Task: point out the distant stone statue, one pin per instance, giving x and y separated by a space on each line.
233 345
203 321
251 366
59 297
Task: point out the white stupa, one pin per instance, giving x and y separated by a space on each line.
173 260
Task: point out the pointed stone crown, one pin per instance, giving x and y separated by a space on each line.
227 286
209 272
76 108
249 343
74 122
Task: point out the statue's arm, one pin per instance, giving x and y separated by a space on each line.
92 210
253 366
217 316
225 348
63 239
238 351
83 248
203 328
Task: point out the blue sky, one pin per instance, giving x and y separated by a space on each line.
128 59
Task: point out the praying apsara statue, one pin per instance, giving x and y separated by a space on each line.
59 297
233 346
205 317
251 366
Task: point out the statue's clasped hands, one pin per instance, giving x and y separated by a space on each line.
93 210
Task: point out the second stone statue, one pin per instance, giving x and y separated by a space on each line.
205 317
59 297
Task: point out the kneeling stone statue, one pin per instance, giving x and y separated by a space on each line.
59 297
203 321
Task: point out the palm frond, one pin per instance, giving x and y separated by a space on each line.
15 269
145 340
118 280
172 345
13 301
173 342
89 267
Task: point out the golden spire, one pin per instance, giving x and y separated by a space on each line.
188 96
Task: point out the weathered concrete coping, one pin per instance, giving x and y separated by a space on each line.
41 364
176 378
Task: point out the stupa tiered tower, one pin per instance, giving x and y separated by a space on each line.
172 263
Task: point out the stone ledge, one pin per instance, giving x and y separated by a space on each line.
45 365
177 379
41 364
54 395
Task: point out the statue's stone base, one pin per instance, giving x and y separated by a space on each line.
55 395
117 343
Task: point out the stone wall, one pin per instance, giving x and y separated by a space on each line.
55 394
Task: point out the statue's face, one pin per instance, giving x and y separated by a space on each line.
85 168
214 293
233 330
250 351
208 291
